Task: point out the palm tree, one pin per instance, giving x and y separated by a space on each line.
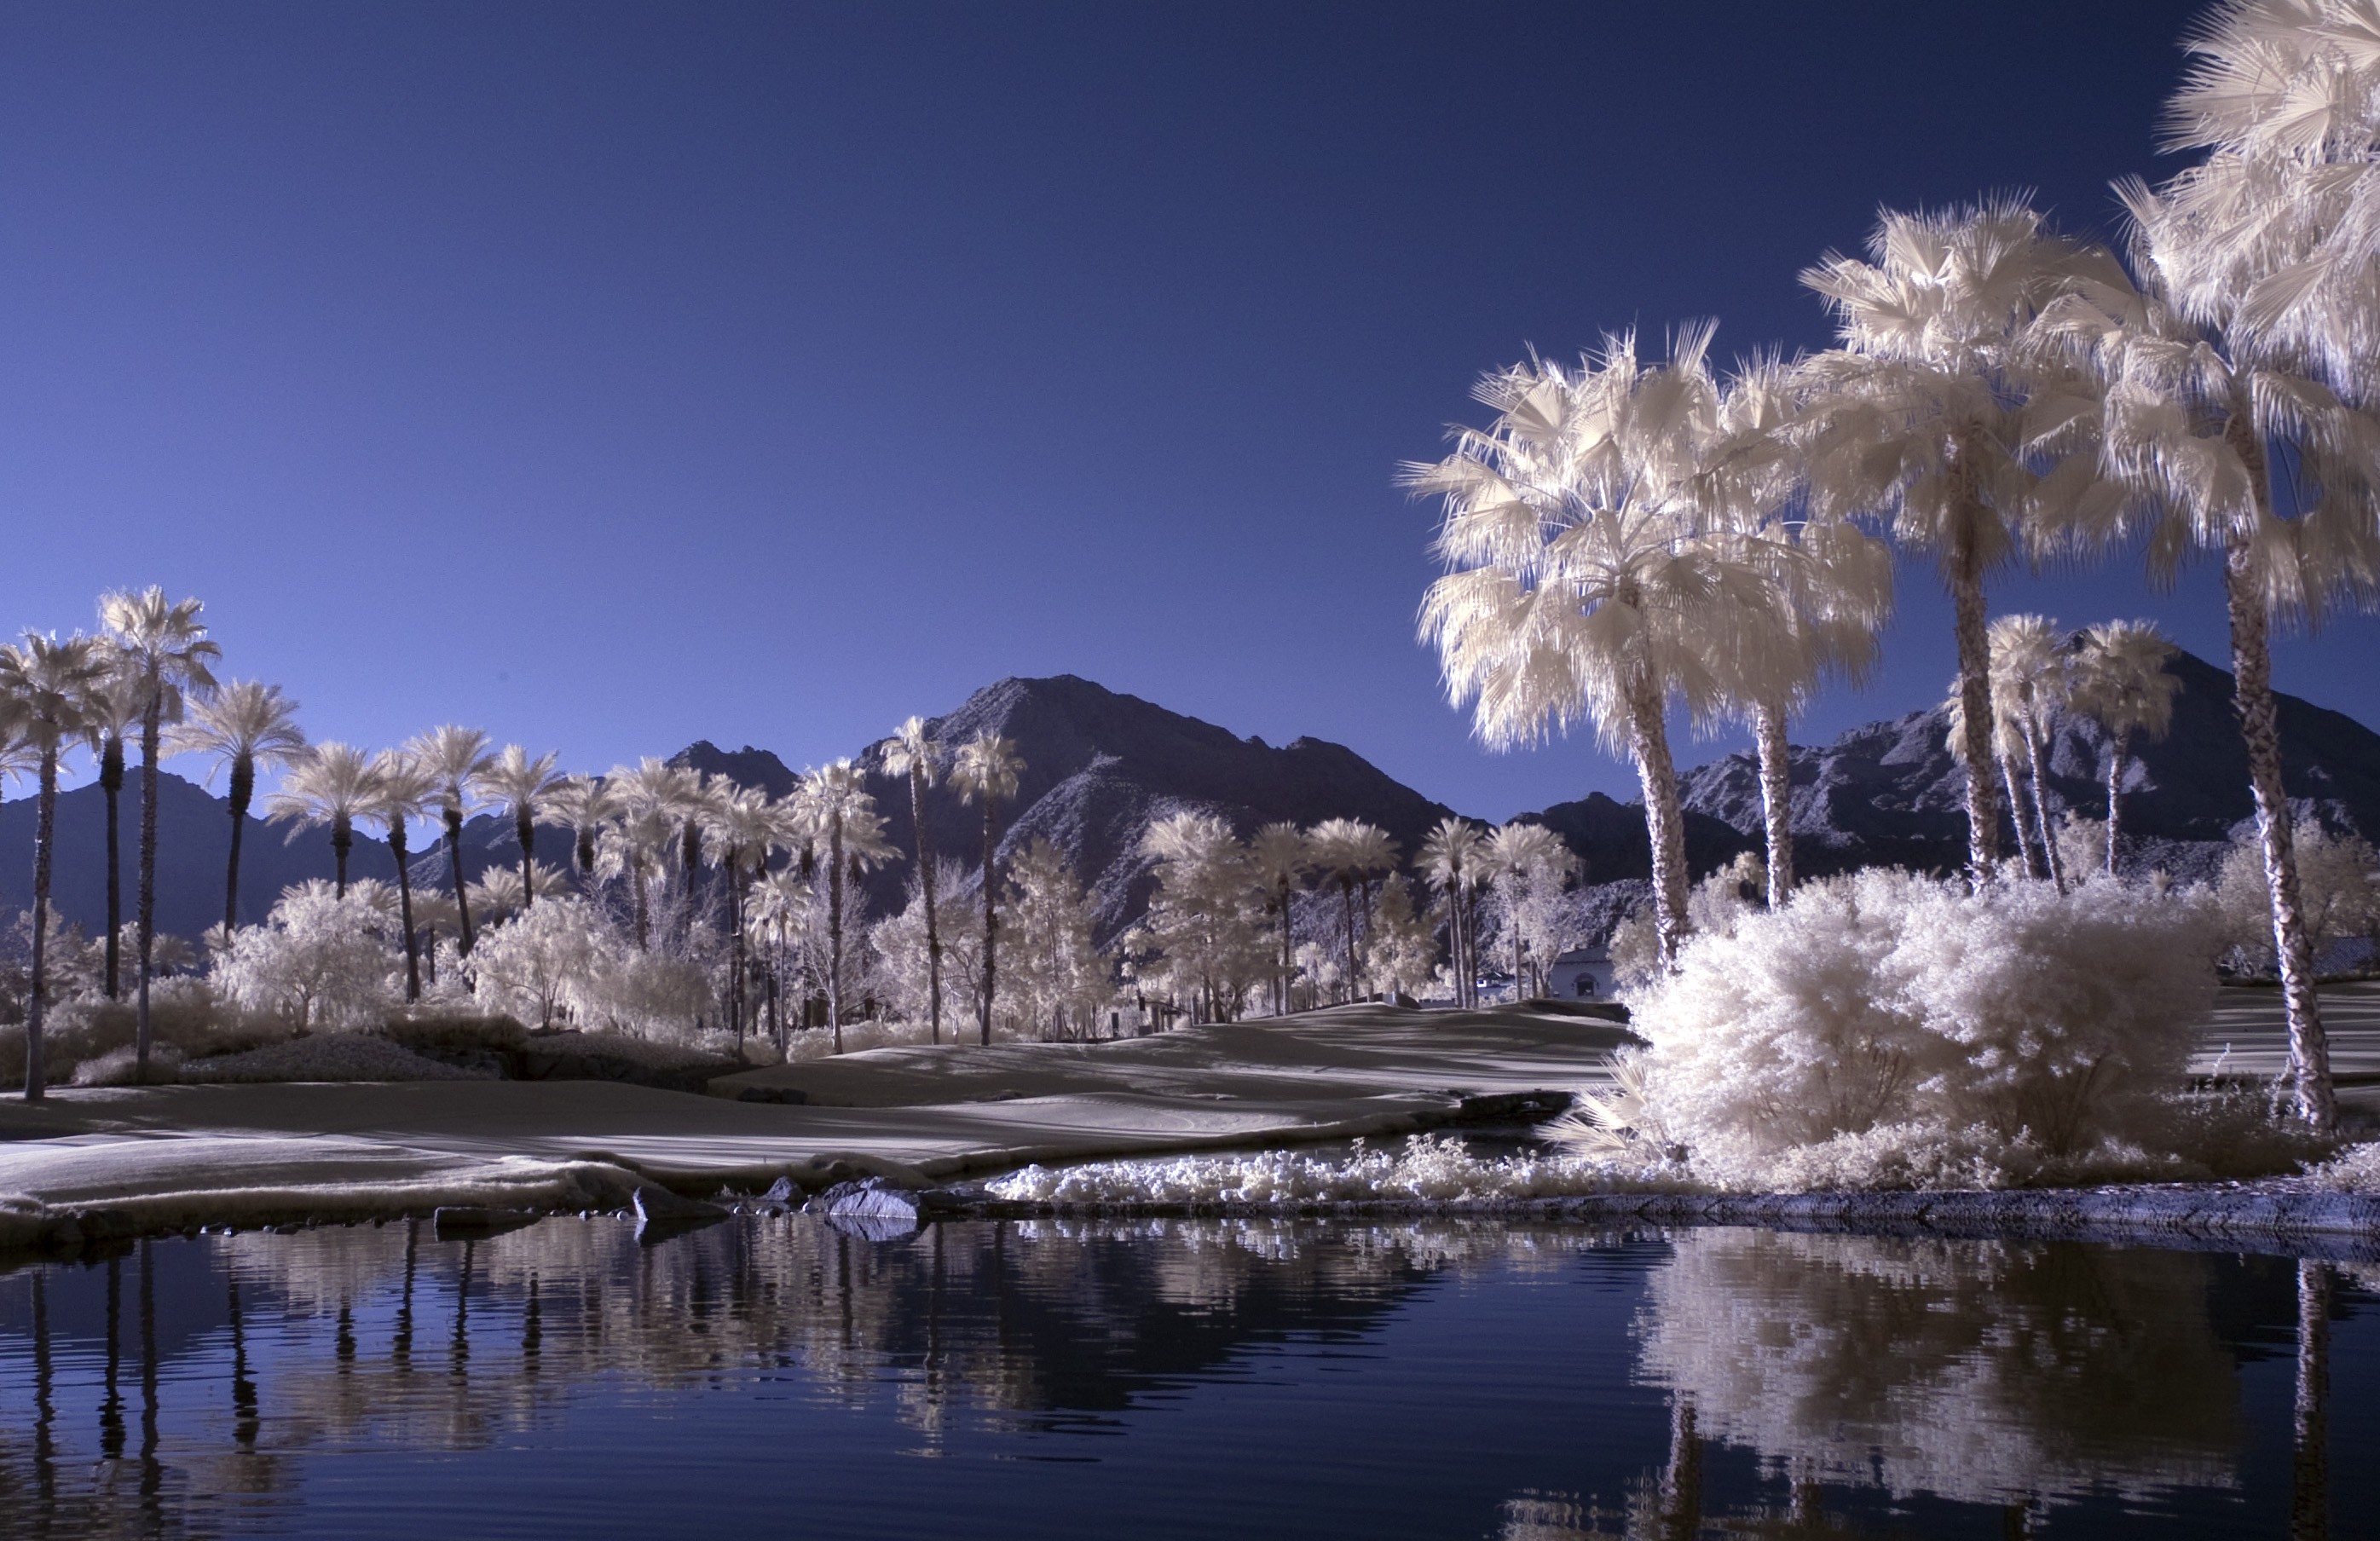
332 784
45 687
835 810
455 757
780 902
1451 857
632 848
1586 583
1282 862
587 803
986 769
115 711
162 653
2030 681
2015 759
1352 852
245 725
2122 684
659 792
913 754
1515 855
403 791
1939 408
744 828
524 787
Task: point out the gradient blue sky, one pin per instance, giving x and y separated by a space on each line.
611 376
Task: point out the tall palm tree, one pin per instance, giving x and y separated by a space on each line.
781 902
455 756
744 828
1938 410
46 686
403 790
244 726
1517 854
913 754
1586 583
332 784
2013 755
162 654
1451 858
2122 684
1282 862
116 710
2030 675
632 848
837 812
986 769
525 788
587 803
657 791
2199 426
1350 851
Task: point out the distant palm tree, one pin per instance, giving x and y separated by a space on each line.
744 828
2122 684
2014 757
525 788
1352 852
404 790
245 725
632 848
2029 673
45 689
332 784
587 803
162 653
1516 854
780 902
1453 856
986 769
674 794
455 756
914 755
1936 407
116 710
1282 862
836 811
499 895
434 911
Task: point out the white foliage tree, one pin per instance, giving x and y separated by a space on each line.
320 961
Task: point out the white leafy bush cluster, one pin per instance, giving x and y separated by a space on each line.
317 962
1424 1168
1885 1029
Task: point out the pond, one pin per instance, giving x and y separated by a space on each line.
1160 1379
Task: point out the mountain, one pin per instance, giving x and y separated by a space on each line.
1098 767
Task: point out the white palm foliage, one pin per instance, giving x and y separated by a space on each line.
1829 588
404 790
914 755
744 828
454 756
331 785
1940 408
1202 917
2122 683
635 848
837 812
1586 581
2030 687
778 908
1279 855
2283 216
45 690
986 769
244 726
2013 755
162 655
2211 438
1351 852
501 893
524 788
1516 855
587 803
1453 857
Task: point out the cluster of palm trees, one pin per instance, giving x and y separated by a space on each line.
1626 536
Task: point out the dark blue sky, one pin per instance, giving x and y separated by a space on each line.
611 376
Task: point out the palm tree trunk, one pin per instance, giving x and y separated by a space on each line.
1288 963
243 789
343 837
1664 821
644 916
1682 1484
1347 894
834 928
45 823
2033 865
2252 696
1776 798
925 881
2038 783
110 782
2310 1474
464 933
990 922
147 935
405 910
736 885
2119 744
586 854
525 830
1965 572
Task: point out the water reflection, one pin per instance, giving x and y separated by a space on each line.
1813 1386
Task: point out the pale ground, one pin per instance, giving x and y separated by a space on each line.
2249 1023
198 1153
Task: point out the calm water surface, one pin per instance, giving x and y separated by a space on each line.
782 1379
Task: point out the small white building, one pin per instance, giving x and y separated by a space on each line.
1581 974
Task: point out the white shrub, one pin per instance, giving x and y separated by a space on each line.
528 966
1884 1029
317 961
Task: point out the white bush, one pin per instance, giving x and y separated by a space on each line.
317 961
1887 1029
528 966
